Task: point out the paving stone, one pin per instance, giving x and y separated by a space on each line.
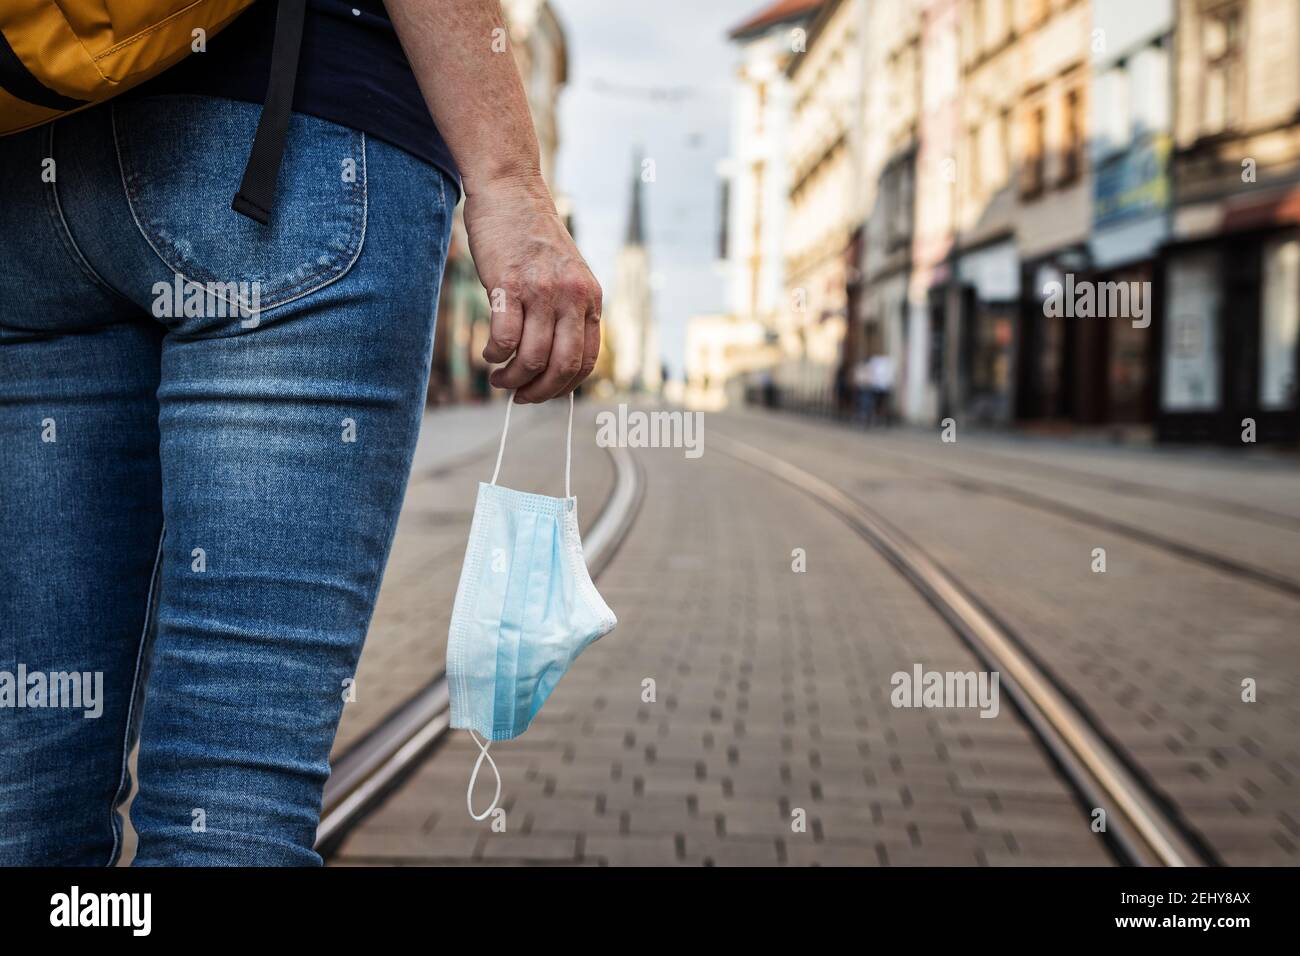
568 816
1155 648
387 844
805 852
633 850
505 846
733 852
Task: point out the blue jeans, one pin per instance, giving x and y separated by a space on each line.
198 489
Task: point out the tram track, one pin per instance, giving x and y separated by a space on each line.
1242 570
1269 517
1144 827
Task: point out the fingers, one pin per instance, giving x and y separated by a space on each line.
506 327
590 346
554 336
565 359
534 352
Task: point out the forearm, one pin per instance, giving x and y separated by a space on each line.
473 92
545 301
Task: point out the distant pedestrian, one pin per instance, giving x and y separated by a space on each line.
880 383
862 388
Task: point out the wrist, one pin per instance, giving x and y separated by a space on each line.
520 179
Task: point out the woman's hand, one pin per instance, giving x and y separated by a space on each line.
545 301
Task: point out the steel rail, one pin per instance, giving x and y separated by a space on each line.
1140 823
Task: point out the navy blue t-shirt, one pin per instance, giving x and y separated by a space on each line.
351 71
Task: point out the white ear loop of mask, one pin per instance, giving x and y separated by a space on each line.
469 793
483 746
568 445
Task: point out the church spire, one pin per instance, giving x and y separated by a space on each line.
635 226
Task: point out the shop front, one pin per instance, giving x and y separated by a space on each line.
1053 327
1228 342
1112 354
1115 358
990 285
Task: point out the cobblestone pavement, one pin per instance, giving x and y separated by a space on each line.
1242 507
770 737
1156 647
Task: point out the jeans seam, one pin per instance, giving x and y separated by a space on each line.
276 303
64 231
154 581
414 430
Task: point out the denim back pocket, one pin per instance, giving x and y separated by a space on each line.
182 159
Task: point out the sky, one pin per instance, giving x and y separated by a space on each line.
654 76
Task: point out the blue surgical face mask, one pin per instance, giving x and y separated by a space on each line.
525 609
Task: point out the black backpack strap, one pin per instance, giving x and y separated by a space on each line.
256 196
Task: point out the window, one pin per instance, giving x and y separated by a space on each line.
1004 145
1032 175
899 198
966 30
1072 138
1280 326
759 169
908 204
1221 33
724 219
1110 105
1191 359
991 169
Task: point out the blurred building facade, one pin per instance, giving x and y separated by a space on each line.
1053 211
890 142
1227 348
720 350
757 185
758 169
955 165
1130 125
540 49
823 218
932 306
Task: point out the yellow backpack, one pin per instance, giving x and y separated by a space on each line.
60 56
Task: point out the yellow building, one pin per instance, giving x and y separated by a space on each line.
1023 207
825 205
720 351
757 171
890 141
